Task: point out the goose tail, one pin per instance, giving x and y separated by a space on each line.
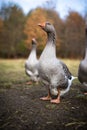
73 78
68 87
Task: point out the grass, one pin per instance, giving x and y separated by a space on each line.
25 109
72 65
13 71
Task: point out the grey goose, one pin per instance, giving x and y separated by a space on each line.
53 72
31 64
82 70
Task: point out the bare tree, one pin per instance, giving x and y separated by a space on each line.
50 4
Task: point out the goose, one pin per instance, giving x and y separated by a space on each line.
31 64
82 70
52 71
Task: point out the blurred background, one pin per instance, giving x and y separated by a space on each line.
18 25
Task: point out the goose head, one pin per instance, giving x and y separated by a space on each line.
34 42
50 30
47 27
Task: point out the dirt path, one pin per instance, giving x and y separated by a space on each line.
21 109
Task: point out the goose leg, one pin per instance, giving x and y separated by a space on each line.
29 83
32 82
85 93
48 97
57 100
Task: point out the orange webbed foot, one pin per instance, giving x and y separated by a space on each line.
56 101
29 83
45 98
85 93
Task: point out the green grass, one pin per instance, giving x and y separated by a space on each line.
13 71
72 65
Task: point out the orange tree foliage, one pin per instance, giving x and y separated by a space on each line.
31 27
36 16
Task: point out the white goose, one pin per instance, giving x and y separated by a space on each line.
52 71
31 64
82 71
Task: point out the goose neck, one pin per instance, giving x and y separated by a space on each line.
33 47
51 37
86 44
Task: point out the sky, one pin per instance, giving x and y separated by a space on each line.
62 6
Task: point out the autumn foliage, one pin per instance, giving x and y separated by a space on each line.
17 30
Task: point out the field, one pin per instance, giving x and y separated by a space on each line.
22 109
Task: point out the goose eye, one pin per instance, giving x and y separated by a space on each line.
48 23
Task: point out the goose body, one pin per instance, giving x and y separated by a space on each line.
31 64
82 71
52 71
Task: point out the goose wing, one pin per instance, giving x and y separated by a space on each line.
66 70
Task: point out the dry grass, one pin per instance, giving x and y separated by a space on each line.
13 71
72 65
21 109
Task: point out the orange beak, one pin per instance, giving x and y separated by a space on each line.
41 25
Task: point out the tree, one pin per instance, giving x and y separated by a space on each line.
58 23
50 4
74 35
32 30
13 21
31 27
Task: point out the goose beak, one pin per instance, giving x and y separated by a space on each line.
41 25
33 39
